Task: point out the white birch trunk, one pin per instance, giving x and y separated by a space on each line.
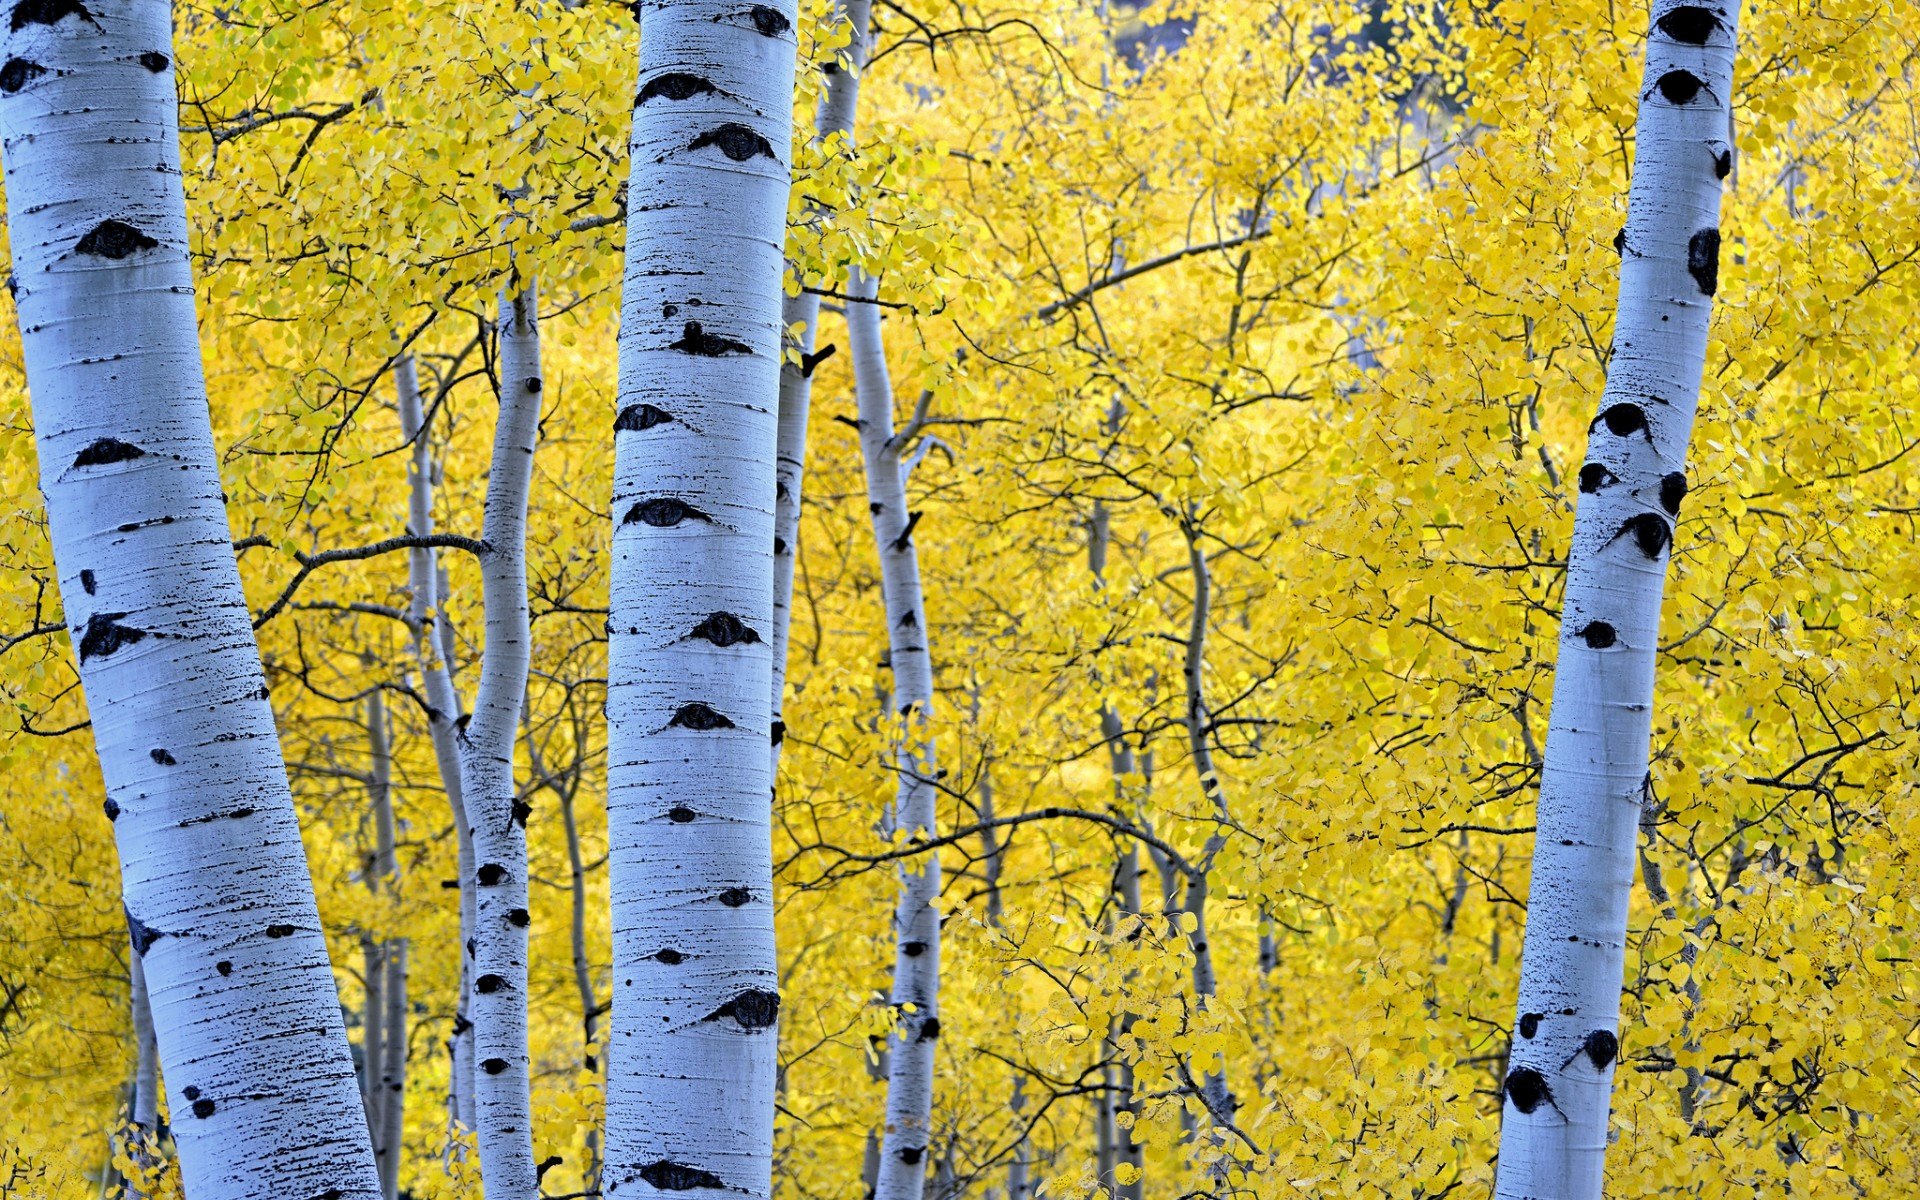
916 968
802 313
390 1137
444 711
219 903
385 1046
497 820
692 1053
1559 1083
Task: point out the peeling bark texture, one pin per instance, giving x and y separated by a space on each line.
1554 1135
424 588
916 964
689 1101
267 1104
503 1105
800 321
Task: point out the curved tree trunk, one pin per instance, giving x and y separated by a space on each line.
218 900
802 312
692 1057
1559 1083
497 820
916 966
429 637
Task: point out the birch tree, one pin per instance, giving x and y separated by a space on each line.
433 655
1595 777
800 319
915 995
691 1059
497 819
213 875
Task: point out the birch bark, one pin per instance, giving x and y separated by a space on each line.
692 1053
1565 1045
214 880
800 319
916 967
497 820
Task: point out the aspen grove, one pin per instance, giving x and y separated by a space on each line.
960 600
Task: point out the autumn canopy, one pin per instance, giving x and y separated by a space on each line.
950 600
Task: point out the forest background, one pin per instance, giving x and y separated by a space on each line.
1251 343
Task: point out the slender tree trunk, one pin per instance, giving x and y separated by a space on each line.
1117 1142
385 1047
800 319
1218 1099
390 1138
432 651
692 1063
214 880
1559 1082
497 820
916 968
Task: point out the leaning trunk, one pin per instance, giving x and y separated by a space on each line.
1565 1046
425 596
214 879
689 689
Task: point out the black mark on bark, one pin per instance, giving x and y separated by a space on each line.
104 634
1679 87
754 1008
48 12
1595 476
1529 1024
695 340
279 931
672 958
905 539
1689 24
494 1066
203 1108
163 758
1623 420
663 512
674 85
1673 489
913 949
636 418
699 716
1703 260
101 451
113 239
770 22
519 918
678 1177
487 985
725 629
911 1154
681 815
154 61
1650 533
112 808
491 874
735 141
1526 1087
142 934
18 73
735 897
1598 635
930 1029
